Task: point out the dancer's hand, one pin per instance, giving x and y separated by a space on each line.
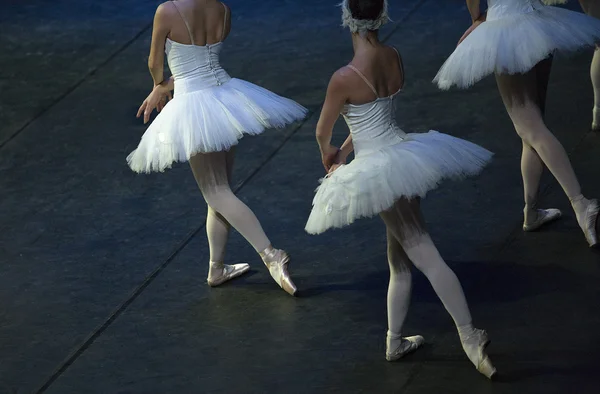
328 156
157 99
477 22
340 160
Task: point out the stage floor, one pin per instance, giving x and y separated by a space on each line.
103 271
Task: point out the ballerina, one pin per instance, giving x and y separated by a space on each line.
515 40
209 113
391 171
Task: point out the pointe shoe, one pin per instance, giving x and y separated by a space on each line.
544 216
277 261
407 345
228 272
589 224
474 346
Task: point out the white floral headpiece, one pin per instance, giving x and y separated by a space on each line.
362 26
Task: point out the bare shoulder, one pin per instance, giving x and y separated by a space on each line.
166 8
393 51
165 11
342 77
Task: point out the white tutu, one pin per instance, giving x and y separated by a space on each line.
373 182
514 44
210 120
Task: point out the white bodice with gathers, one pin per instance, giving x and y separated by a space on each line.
195 67
373 125
498 9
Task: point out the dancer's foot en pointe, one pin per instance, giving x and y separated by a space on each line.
536 218
398 347
277 261
474 341
587 216
219 273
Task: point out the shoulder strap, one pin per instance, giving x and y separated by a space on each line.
187 26
362 76
401 65
224 22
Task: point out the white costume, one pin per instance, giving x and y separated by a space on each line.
516 35
210 111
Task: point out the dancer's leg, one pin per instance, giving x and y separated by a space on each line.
210 171
399 289
398 300
405 222
217 227
532 166
520 94
595 76
592 8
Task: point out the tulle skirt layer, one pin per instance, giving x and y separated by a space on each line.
515 44
373 182
210 120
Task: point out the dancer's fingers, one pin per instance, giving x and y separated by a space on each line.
142 109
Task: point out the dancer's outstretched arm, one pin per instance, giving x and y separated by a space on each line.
337 95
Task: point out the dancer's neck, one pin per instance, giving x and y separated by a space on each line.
369 41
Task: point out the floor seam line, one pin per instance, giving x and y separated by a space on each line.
74 87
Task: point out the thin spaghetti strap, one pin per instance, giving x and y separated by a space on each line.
362 76
224 22
187 26
400 64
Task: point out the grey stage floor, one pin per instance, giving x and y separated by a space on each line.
102 272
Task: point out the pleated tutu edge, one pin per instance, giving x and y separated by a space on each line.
373 182
210 120
515 44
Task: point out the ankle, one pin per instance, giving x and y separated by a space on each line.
579 204
465 331
215 268
393 336
392 340
268 252
530 213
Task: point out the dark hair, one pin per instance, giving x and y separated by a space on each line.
365 9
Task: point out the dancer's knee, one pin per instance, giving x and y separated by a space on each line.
216 198
531 129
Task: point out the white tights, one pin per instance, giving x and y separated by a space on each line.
524 98
213 175
409 244
592 8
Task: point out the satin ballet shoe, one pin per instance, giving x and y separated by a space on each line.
474 346
544 216
589 224
277 261
407 345
228 272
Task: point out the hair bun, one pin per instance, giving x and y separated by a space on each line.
362 26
